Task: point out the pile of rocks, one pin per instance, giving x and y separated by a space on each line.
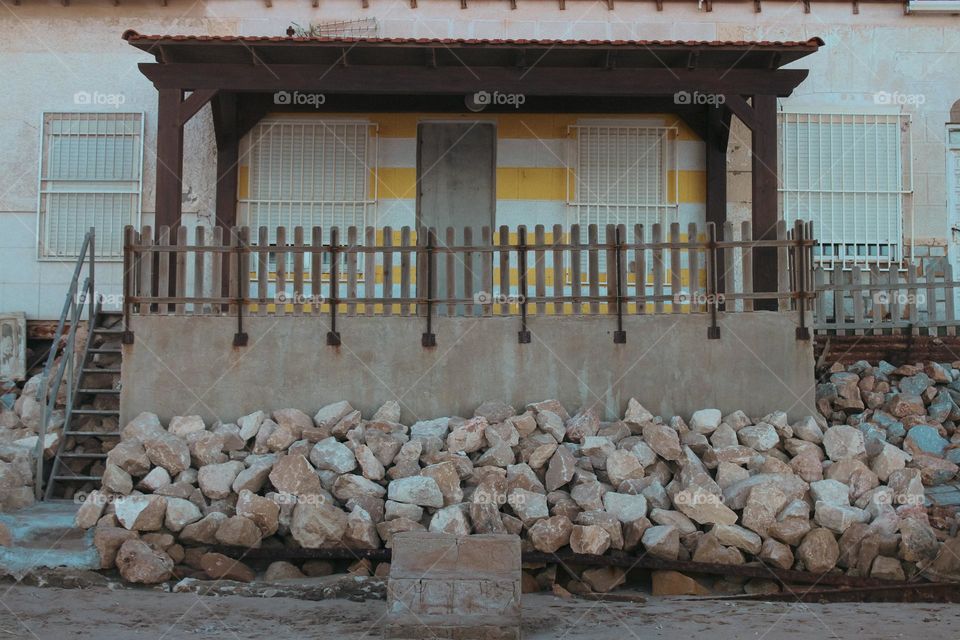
20 417
842 491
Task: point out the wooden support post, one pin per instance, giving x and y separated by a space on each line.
718 136
228 156
169 183
765 213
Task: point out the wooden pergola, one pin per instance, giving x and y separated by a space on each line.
238 76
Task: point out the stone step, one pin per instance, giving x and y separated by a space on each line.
43 536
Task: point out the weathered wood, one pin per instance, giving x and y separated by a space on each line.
198 270
146 268
657 239
640 270
540 268
468 277
593 264
450 236
388 270
948 302
486 261
163 269
783 273
181 270
299 299
263 270
559 280
676 269
575 272
504 246
352 269
857 280
369 271
280 260
693 268
746 261
404 272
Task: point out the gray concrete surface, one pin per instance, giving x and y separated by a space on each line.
187 365
44 537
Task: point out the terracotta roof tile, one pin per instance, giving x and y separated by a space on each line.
133 36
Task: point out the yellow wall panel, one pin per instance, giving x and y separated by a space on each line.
693 186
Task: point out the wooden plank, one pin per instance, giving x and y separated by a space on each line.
783 274
657 239
930 295
593 264
504 245
352 269
948 303
232 277
316 270
893 297
839 299
820 305
676 268
540 268
575 272
146 268
746 261
198 268
609 271
912 310
558 276
163 269
263 270
875 307
280 288
217 284
388 270
727 276
468 274
243 275
369 270
181 271
693 267
640 269
450 236
299 299
856 276
404 272
486 261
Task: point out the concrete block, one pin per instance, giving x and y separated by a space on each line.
418 554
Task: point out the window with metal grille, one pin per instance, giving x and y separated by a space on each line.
622 174
90 176
306 173
845 172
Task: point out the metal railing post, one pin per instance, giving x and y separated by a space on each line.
240 338
800 262
429 339
713 331
619 336
333 336
523 336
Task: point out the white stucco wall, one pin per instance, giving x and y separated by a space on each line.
49 52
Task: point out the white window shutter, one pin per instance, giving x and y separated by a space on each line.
90 176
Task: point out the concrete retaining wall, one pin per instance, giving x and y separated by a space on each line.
187 365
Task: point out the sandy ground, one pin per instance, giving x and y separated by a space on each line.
41 613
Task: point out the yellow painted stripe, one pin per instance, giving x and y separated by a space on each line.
243 181
693 186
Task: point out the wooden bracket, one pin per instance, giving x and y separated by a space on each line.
659 5
806 6
513 4
563 4
856 7
756 6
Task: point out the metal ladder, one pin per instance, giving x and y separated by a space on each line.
107 329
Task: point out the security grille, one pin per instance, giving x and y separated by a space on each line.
845 173
90 176
622 175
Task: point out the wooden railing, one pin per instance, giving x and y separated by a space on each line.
917 298
470 272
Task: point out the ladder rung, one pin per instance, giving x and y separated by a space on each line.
75 478
95 391
74 454
111 331
95 412
109 434
111 370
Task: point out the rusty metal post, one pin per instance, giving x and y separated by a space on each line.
619 336
129 278
523 336
428 339
333 336
713 331
240 338
800 263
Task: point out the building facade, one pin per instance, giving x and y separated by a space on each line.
869 142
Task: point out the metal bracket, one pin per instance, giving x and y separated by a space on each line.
619 336
240 339
523 336
333 336
429 339
126 337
